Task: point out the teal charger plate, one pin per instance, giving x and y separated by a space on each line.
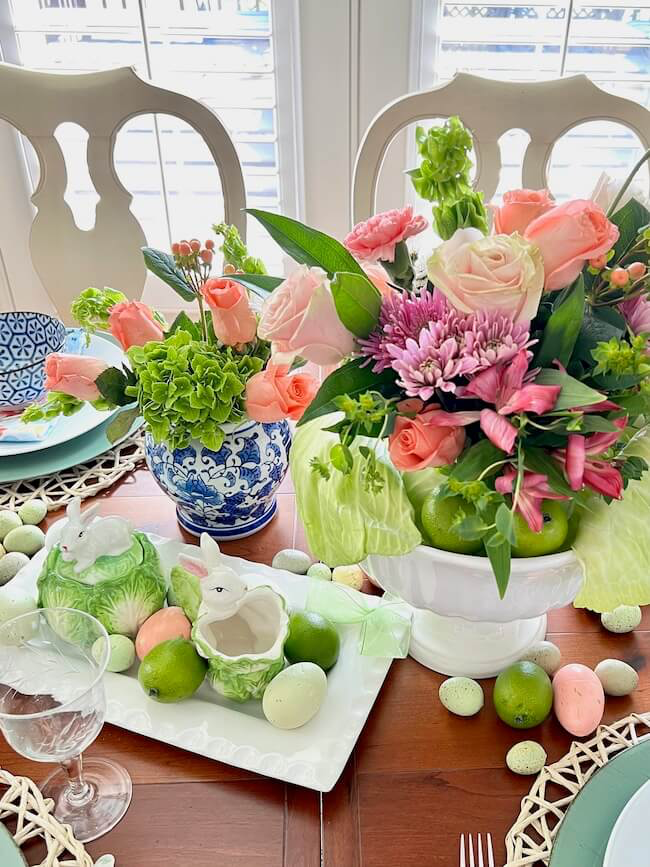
10 854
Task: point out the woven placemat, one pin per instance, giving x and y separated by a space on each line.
82 480
530 840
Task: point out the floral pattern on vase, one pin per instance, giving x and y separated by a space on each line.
230 493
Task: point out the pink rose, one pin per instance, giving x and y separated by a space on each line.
376 238
272 395
300 319
133 324
498 273
422 441
73 374
232 318
519 208
568 236
378 277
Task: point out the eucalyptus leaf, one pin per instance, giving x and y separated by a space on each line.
163 266
574 393
563 327
121 424
357 302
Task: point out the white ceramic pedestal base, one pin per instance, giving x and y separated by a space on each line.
457 647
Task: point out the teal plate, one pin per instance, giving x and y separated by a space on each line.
76 451
585 830
10 854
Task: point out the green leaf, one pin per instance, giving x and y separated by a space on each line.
163 266
112 385
477 459
121 424
634 404
471 527
629 219
597 424
539 461
497 548
350 379
306 245
574 393
184 323
563 327
505 522
594 330
260 284
357 302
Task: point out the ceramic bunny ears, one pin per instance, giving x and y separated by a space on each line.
76 516
210 558
217 579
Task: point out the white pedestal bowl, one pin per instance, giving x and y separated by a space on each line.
460 625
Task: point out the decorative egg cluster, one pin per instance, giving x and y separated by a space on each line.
300 563
20 538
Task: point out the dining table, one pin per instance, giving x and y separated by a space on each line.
418 777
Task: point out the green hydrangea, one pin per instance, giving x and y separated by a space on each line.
187 389
57 404
91 308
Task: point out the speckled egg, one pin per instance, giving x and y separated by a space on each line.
33 511
295 695
163 625
578 699
320 571
10 565
121 654
527 757
14 602
352 576
625 618
292 560
545 654
26 540
617 677
461 695
8 521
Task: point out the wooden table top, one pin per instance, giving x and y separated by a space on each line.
417 778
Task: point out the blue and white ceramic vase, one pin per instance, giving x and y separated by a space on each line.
230 493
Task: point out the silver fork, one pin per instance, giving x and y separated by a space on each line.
479 852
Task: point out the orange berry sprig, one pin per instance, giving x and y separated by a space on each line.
194 261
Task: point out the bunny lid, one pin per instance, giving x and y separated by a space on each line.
222 588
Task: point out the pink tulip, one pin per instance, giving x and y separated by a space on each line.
519 209
133 324
232 318
73 374
533 491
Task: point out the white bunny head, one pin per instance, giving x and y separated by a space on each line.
83 541
222 589
76 528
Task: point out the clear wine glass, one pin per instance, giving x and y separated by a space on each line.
52 706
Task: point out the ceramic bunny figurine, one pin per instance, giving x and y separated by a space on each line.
84 542
222 589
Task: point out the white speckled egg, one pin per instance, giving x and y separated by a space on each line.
527 757
10 565
292 560
545 654
617 677
27 540
33 511
295 695
320 571
352 576
8 521
461 695
625 618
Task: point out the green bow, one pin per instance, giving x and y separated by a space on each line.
385 625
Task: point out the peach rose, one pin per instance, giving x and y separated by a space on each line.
232 318
378 277
377 237
300 319
420 442
519 208
272 394
73 374
133 324
498 273
568 236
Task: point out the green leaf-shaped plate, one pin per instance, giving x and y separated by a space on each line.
10 854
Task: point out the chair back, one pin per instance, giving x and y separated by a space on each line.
66 258
546 110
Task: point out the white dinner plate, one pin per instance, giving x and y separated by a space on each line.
238 734
629 844
81 422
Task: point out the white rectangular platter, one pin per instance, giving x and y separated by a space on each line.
238 734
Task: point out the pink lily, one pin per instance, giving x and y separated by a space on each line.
504 385
534 488
604 478
601 476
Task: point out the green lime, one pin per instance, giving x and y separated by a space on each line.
172 670
523 695
438 514
312 638
573 527
551 537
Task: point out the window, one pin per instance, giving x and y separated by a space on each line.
231 54
609 42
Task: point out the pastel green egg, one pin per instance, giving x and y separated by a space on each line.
461 695
8 521
527 757
292 560
623 619
25 539
33 511
121 653
10 565
320 571
617 677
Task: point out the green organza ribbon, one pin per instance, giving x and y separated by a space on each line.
385 626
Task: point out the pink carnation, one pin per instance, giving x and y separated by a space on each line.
377 237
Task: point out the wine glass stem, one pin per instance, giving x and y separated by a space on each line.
79 792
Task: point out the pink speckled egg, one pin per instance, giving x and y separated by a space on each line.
578 699
164 624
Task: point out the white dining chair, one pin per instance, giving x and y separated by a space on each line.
66 258
546 110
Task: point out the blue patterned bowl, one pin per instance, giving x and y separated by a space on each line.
25 341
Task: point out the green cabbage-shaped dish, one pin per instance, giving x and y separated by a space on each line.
120 591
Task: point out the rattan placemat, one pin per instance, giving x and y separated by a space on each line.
530 840
84 480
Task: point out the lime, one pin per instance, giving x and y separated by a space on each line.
523 695
438 514
551 537
172 670
312 638
573 527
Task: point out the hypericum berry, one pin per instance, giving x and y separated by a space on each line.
195 245
229 269
206 256
619 277
184 248
209 245
176 248
636 270
599 262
